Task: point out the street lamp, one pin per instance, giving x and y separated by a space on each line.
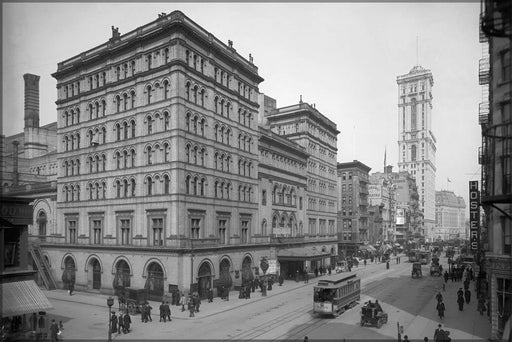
110 302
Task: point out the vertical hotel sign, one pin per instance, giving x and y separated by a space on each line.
474 215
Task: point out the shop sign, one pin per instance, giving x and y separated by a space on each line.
474 215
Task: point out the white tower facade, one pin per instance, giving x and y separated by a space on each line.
416 141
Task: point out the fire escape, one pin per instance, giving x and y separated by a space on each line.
495 121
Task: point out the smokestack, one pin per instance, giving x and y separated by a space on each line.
31 100
15 174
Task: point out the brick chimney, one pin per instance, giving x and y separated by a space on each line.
15 173
31 100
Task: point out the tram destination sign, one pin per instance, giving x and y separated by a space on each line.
474 215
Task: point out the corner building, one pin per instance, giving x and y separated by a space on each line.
158 160
417 143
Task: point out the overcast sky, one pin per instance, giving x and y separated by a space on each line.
343 57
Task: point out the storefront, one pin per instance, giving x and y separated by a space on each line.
298 259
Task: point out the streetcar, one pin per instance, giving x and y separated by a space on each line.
413 255
424 257
333 296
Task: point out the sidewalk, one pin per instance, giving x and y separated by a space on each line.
467 325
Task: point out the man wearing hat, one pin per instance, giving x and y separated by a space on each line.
113 322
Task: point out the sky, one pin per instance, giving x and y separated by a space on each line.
342 57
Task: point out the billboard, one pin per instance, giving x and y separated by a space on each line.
400 216
474 215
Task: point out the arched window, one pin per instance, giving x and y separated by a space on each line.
201 154
118 189
103 190
118 73
96 109
149 155
132 163
91 111
125 159
166 89
104 134
97 190
132 98
187 153
133 187
195 155
103 107
91 164
66 142
150 125
118 160
201 127
125 130
195 93
167 121
149 186
216 104
166 55
118 103
167 183
166 152
194 124
118 132
90 187
187 185
149 94
97 163
187 91
125 101
125 188
132 125
103 162
202 97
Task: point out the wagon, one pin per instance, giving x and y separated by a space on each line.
371 316
134 298
416 270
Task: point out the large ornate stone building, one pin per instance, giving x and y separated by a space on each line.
174 171
417 143
450 216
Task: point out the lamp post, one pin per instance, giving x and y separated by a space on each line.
110 302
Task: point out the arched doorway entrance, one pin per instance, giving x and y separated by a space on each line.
204 279
68 275
122 277
41 223
247 275
225 279
94 276
155 282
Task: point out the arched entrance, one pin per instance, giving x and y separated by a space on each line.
122 277
41 223
68 275
247 275
155 282
225 276
95 275
204 279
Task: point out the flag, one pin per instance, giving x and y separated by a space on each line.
448 179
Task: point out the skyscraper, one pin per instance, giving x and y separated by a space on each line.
416 141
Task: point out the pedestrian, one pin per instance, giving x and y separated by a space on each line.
467 296
446 276
364 262
113 322
460 293
329 270
281 281
210 295
440 309
316 272
71 287
439 297
460 301
54 331
126 323
161 308
120 323
436 333
143 317
306 278
148 312
425 339
197 302
452 275
167 312
183 302
191 307
406 339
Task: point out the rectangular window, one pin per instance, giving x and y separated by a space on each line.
222 232
72 225
244 233
300 203
195 228
125 227
505 65
264 197
157 226
96 231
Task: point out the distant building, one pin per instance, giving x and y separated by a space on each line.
353 223
408 215
416 140
450 216
495 156
382 194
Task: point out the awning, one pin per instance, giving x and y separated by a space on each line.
301 254
22 297
367 247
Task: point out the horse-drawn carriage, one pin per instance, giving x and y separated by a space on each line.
373 315
416 270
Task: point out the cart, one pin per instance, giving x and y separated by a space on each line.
134 298
416 270
371 316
